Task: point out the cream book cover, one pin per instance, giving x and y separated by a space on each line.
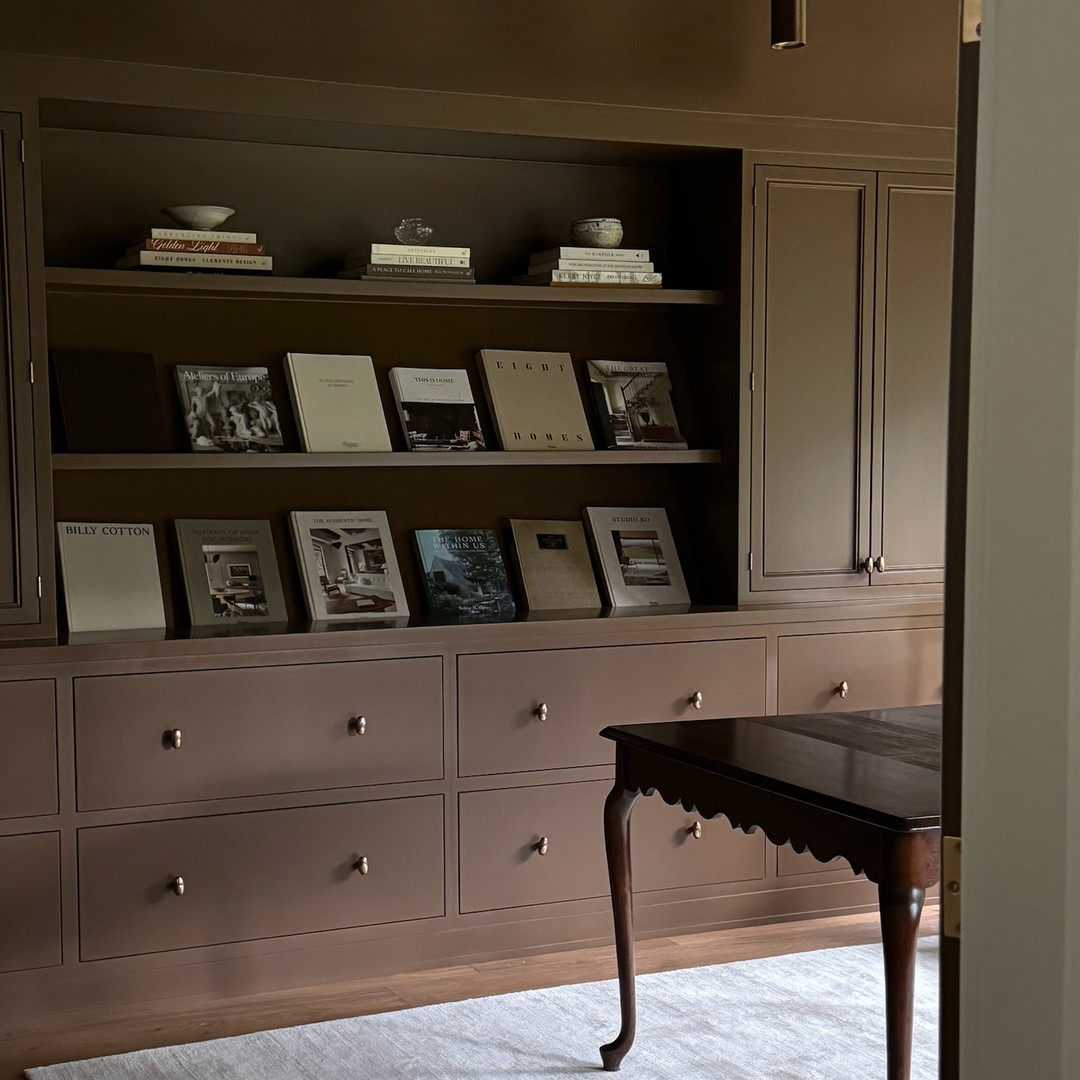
110 575
555 566
337 403
535 400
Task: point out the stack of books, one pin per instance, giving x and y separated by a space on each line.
410 262
208 250
592 266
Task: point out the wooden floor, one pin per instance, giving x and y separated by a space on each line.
84 1037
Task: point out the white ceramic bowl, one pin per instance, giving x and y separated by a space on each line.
199 217
602 232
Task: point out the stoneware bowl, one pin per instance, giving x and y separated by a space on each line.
602 232
199 217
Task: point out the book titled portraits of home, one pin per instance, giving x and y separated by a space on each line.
229 409
437 408
632 402
464 575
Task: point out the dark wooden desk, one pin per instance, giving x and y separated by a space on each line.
864 786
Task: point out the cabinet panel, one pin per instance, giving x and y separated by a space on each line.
29 901
790 863
500 697
253 731
27 748
249 876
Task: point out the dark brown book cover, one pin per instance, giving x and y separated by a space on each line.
109 402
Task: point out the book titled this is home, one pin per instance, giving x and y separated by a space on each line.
437 408
229 409
633 405
464 575
535 400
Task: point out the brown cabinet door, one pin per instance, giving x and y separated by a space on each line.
29 901
27 748
812 352
911 377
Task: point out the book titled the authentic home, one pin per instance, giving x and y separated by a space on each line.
632 402
437 408
535 400
229 408
347 565
464 575
230 571
336 402
636 554
554 564
110 575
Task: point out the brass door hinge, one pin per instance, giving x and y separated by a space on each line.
749 560
22 151
39 587
31 372
971 25
950 886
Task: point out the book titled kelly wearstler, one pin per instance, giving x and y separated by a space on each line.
110 576
535 400
555 567
337 404
230 571
437 408
464 575
637 557
633 405
347 565
229 409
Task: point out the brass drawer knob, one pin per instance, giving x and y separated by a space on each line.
362 866
879 564
541 711
542 845
695 830
173 738
177 886
868 565
695 699
358 725
842 689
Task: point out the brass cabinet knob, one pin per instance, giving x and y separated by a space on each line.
695 699
358 725
541 711
868 565
542 845
843 688
362 866
177 886
174 738
879 564
695 830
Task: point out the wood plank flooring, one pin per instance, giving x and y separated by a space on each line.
85 1036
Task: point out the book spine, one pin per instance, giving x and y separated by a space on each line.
601 255
439 273
409 260
586 264
193 259
421 249
199 234
593 277
205 247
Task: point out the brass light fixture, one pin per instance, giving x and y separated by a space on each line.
788 24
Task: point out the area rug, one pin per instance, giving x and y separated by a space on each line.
804 1016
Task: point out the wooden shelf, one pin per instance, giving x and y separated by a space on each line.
75 462
337 290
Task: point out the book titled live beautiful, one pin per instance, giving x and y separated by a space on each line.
535 400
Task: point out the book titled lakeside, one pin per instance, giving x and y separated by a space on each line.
229 409
632 403
554 565
437 409
464 575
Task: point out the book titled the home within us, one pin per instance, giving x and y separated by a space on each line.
437 408
464 575
535 400
347 565
229 409
110 576
337 404
554 564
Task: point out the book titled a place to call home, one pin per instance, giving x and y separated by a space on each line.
437 409
632 401
464 575
229 409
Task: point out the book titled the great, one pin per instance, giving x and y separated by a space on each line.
464 575
110 576
230 572
229 409
336 402
535 400
437 408
554 564
632 401
347 565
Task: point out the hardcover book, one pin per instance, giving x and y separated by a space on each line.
464 575
409 272
203 247
109 402
406 260
632 402
437 408
110 576
597 255
535 400
230 572
347 565
193 260
554 564
636 554
591 264
336 402
229 409
602 276
421 249
167 233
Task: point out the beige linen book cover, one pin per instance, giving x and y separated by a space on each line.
535 400
555 566
337 403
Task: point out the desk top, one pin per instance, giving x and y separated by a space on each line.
880 766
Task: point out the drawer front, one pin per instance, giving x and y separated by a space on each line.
259 875
500 695
29 901
256 731
27 748
883 669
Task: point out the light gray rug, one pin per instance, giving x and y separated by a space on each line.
807 1016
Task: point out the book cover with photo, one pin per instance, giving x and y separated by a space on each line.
437 409
229 409
464 575
230 572
554 565
347 565
110 576
636 554
337 404
632 402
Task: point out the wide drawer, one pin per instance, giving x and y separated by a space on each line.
27 748
882 669
258 875
256 731
29 901
543 710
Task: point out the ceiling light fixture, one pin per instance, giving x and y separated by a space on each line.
788 24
